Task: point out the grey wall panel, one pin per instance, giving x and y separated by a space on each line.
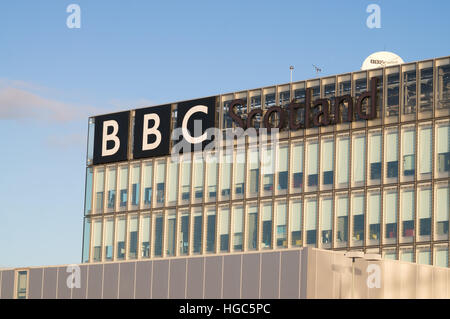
35 283
250 275
7 284
50 281
160 279
195 272
63 292
290 274
126 283
177 279
143 279
95 281
80 293
110 280
270 271
303 273
232 276
213 277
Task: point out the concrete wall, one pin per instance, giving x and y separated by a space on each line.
274 274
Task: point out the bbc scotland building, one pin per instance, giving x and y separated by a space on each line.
378 184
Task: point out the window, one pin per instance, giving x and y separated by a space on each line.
443 84
442 212
393 88
391 154
282 168
133 238
198 179
313 162
183 237
281 225
266 226
424 255
227 120
253 166
111 189
326 221
255 103
342 160
443 149
441 256
311 222
374 207
135 185
426 86
296 222
99 189
425 150
171 228
145 236
297 167
158 243
424 221
375 156
390 215
407 214
172 185
409 89
198 222
186 180
407 254
238 228
358 219
88 196
284 96
408 145
390 254
342 221
97 241
268 165
211 173
224 228
148 177
359 156
225 175
327 161
86 239
123 187
211 230
109 238
160 182
22 283
120 238
252 238
239 173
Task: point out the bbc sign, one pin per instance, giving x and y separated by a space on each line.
151 131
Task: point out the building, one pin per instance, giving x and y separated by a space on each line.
305 273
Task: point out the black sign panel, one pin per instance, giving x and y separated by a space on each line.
196 110
152 131
111 138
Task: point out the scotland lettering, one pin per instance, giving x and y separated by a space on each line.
151 132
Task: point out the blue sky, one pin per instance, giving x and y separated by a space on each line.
129 54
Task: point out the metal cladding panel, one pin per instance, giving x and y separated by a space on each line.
251 276
270 275
195 274
50 281
290 275
35 283
143 280
80 293
231 277
177 279
63 291
127 278
95 280
213 277
324 282
110 281
160 279
7 284
425 282
440 283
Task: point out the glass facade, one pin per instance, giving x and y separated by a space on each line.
379 185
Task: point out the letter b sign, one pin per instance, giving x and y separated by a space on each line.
111 138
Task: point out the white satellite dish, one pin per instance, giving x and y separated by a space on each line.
381 59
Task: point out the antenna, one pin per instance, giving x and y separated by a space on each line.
292 69
317 68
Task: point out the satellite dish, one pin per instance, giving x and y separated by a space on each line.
381 59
